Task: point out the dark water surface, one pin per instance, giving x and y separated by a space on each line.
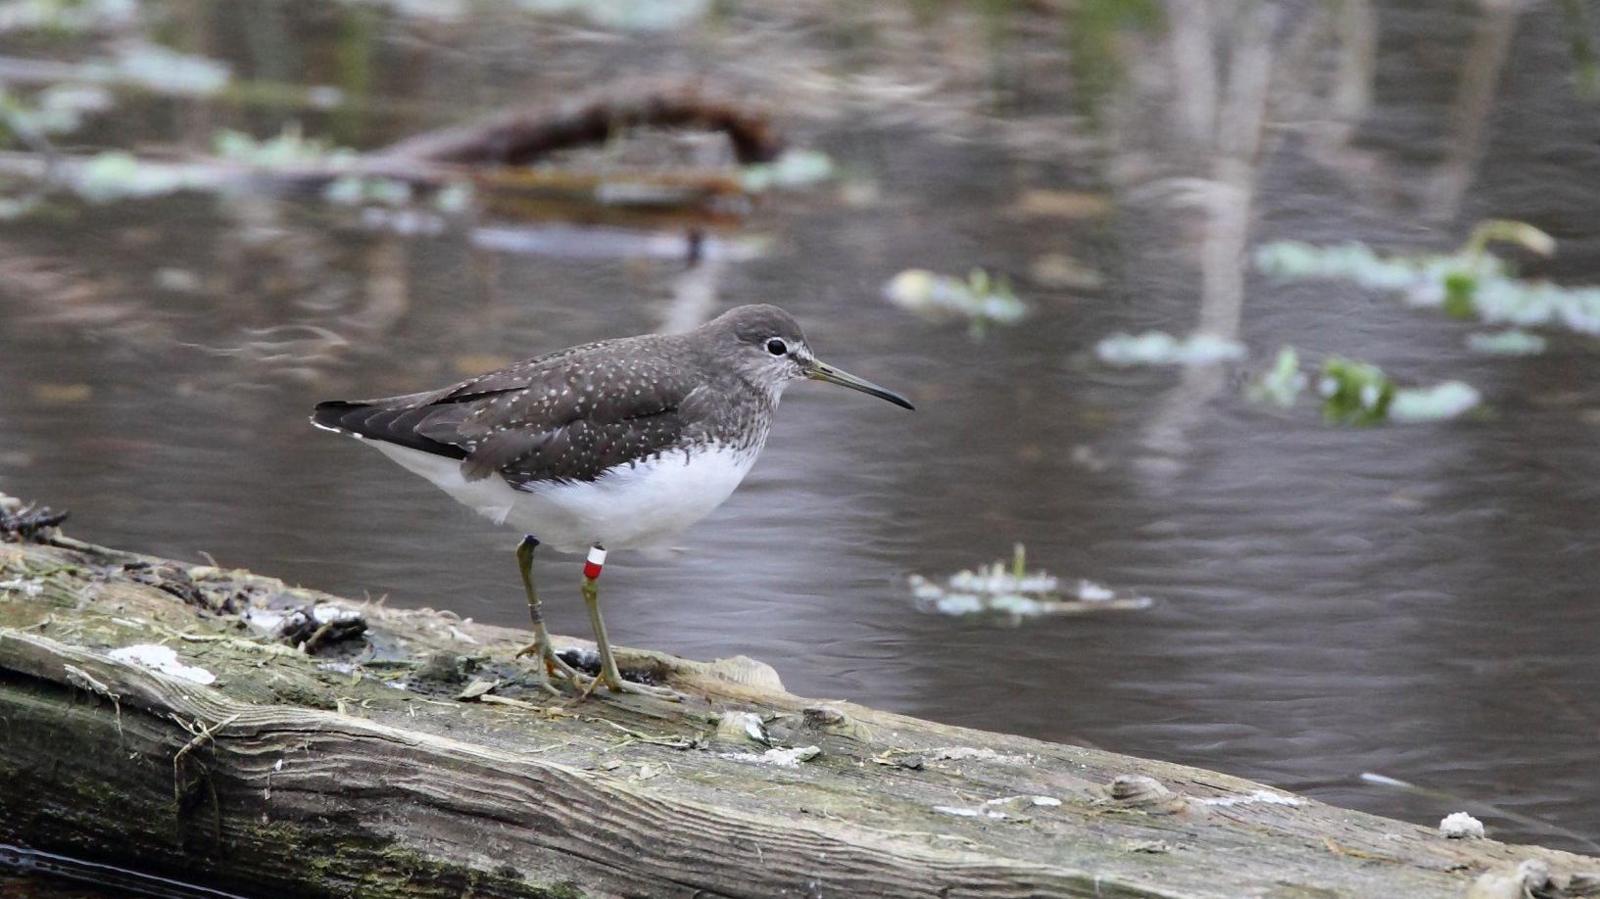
1415 601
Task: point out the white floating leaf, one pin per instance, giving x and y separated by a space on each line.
1441 401
1507 343
980 299
1161 348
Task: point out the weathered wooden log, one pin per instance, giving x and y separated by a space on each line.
358 770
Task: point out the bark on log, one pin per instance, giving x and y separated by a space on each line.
356 772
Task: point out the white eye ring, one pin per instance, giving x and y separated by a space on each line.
777 347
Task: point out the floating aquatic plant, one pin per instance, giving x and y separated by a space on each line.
167 71
1413 276
1009 588
116 175
628 15
1354 392
1161 348
58 109
794 169
981 300
357 190
1507 343
1447 399
1360 393
1469 283
434 10
1282 383
288 149
454 199
67 16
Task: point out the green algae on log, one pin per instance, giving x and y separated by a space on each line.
354 770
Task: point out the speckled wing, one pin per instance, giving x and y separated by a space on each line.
565 417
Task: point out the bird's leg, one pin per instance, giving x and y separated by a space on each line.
608 663
548 662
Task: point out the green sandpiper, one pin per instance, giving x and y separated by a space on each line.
618 444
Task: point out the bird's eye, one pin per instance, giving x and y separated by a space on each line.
777 347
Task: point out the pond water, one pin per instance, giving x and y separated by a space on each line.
1415 601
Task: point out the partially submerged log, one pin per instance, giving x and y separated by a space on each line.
525 136
410 758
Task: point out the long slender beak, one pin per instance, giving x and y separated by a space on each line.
821 371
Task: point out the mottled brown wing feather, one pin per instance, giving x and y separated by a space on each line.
538 421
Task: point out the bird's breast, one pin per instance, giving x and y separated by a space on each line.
637 505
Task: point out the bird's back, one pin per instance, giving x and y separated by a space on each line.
565 416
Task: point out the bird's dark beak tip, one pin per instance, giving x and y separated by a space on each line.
892 397
822 372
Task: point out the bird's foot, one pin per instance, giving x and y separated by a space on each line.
616 684
666 694
553 666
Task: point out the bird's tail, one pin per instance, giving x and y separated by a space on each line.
394 420
336 415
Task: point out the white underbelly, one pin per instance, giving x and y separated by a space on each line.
642 506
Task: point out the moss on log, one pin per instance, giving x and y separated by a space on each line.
355 770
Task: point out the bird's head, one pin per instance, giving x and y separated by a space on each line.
769 348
